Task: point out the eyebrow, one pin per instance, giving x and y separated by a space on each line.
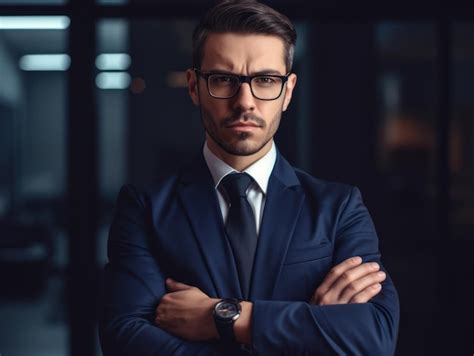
260 72
268 71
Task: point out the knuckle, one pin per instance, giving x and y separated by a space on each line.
372 266
158 317
375 277
352 287
354 260
346 276
358 299
345 295
376 287
325 300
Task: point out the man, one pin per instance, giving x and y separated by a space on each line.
238 252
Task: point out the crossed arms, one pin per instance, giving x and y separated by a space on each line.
186 311
354 310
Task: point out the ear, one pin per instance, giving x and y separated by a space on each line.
290 85
193 86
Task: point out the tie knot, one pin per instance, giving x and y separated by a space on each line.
236 184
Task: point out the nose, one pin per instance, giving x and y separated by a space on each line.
244 100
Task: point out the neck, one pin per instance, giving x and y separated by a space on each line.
239 163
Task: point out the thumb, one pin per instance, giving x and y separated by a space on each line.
174 286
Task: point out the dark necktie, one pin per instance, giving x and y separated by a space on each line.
240 226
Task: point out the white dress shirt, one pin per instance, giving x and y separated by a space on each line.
260 171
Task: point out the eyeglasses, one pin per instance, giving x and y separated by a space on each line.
226 86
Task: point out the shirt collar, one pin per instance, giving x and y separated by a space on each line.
260 171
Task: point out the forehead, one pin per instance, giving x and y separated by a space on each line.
243 52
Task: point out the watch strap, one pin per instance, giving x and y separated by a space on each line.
225 328
226 331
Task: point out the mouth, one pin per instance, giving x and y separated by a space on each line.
243 126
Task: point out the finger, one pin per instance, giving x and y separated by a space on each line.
334 274
158 316
357 286
367 294
158 319
351 275
174 286
332 294
163 318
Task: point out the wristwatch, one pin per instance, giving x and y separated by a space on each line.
225 313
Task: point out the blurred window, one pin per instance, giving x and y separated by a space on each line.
406 163
462 134
33 246
33 2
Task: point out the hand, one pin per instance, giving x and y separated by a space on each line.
350 281
186 312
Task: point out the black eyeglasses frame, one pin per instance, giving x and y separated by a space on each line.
242 79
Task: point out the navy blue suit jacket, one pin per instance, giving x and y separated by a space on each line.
174 228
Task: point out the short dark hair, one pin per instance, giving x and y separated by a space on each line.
248 17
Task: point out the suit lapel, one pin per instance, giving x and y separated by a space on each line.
283 204
199 198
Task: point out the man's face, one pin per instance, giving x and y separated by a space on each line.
242 125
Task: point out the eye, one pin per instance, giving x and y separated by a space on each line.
222 79
265 80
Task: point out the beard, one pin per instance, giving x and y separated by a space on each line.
243 145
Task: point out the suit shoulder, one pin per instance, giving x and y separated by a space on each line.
158 189
322 186
332 198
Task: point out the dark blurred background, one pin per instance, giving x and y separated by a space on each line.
92 95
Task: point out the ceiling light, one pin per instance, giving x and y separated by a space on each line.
113 80
34 22
45 62
113 61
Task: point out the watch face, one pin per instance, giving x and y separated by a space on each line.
227 310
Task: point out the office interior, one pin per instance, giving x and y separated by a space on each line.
93 96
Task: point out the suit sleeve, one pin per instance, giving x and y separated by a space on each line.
299 328
132 287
